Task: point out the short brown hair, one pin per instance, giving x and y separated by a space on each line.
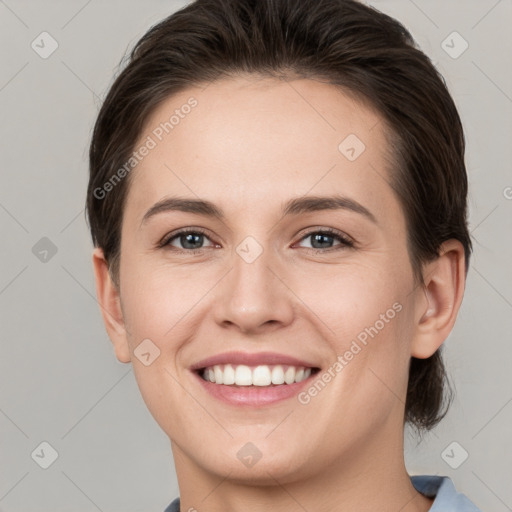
344 42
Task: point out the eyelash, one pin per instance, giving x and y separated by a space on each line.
345 241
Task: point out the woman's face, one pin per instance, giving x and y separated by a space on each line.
265 278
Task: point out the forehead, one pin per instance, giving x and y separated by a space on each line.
263 140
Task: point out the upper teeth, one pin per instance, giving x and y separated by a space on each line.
262 375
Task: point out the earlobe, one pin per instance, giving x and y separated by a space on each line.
110 305
439 299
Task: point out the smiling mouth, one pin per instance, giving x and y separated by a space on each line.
261 375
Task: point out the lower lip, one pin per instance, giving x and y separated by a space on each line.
253 396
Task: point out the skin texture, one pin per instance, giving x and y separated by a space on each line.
248 146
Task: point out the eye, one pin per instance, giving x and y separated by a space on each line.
192 240
189 239
323 239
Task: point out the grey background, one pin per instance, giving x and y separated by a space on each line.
59 379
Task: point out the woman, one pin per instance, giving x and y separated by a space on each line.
278 203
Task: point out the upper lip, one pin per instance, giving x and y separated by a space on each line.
251 359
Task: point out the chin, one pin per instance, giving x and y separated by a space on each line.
247 464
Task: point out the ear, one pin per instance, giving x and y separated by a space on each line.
439 299
110 303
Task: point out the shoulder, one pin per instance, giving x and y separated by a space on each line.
447 499
174 506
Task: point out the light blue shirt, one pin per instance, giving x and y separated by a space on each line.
447 499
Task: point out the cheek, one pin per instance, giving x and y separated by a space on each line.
364 315
351 302
376 354
157 298
155 303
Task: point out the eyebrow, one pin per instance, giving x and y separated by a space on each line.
295 206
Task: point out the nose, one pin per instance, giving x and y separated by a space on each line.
253 297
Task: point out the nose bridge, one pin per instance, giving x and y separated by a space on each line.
253 296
